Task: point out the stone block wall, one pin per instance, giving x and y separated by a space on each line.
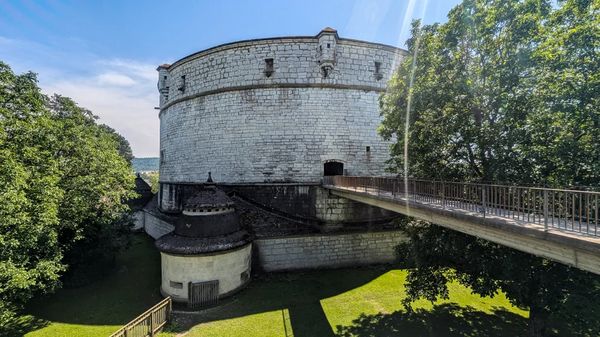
311 202
222 113
327 251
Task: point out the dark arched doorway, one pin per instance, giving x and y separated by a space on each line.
333 168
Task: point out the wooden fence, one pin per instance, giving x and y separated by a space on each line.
149 323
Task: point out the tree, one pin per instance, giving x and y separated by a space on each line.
123 144
565 124
30 254
96 181
483 98
63 185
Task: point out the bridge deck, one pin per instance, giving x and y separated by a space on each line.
564 219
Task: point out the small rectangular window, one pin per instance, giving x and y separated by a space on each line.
182 84
329 45
368 149
269 67
176 285
378 74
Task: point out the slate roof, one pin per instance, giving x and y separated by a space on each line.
182 245
208 197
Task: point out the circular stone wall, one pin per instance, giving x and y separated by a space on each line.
231 268
223 111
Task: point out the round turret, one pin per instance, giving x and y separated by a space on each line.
207 248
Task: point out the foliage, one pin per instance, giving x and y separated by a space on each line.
96 180
62 183
505 91
564 126
123 144
152 178
102 307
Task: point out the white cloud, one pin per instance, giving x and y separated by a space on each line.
121 92
114 79
123 96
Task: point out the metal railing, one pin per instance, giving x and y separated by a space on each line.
149 323
567 210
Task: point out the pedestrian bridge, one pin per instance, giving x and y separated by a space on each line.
561 225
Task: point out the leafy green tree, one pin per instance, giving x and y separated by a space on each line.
564 126
30 254
462 89
96 182
123 144
505 91
152 179
63 184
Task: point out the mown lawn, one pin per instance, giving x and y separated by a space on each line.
101 308
351 302
343 302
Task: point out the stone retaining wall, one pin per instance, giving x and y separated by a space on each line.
327 251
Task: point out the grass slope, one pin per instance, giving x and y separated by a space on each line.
343 302
352 302
101 308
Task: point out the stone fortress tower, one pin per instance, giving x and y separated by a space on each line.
274 110
269 118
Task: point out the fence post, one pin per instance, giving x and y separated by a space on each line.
151 323
546 210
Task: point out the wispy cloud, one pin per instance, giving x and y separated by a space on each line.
123 96
121 92
115 79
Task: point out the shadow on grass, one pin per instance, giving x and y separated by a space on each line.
444 320
298 292
113 300
21 325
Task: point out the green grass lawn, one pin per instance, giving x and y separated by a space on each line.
343 302
101 308
351 302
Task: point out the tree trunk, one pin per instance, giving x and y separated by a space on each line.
537 322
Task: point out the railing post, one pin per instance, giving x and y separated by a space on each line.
414 190
483 199
443 195
151 324
546 210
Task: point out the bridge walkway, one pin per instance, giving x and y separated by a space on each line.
562 225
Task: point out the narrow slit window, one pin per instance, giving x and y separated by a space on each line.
378 74
269 67
368 149
182 84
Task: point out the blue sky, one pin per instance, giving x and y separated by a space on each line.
104 54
